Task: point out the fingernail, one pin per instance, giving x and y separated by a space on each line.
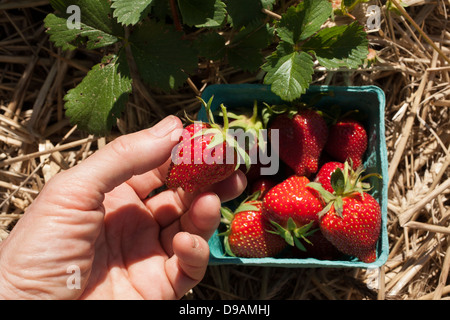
164 127
194 241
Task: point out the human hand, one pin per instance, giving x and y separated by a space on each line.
96 218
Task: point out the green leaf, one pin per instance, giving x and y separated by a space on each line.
246 207
268 4
338 181
227 214
96 103
163 57
289 75
97 28
302 21
161 9
130 12
245 12
202 13
299 245
227 247
339 46
339 206
326 195
326 209
211 46
244 50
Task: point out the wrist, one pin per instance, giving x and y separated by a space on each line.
7 290
4 284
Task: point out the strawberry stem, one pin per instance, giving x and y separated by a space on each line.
292 234
209 113
225 117
255 112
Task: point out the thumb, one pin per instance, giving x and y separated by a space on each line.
121 159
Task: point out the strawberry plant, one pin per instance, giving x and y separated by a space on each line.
161 43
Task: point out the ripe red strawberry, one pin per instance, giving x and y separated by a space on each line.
324 175
355 233
302 136
292 206
247 235
204 155
351 220
292 198
347 141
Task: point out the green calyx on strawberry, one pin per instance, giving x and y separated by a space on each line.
292 208
248 232
351 218
324 175
292 234
247 129
243 121
345 183
206 154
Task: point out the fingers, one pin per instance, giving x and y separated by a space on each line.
145 183
202 219
177 202
123 158
229 188
187 267
204 216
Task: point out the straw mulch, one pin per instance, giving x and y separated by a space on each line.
37 141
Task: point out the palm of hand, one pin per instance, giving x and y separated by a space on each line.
138 249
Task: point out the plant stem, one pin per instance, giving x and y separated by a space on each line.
225 117
176 19
272 14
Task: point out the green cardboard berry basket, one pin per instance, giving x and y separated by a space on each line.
371 101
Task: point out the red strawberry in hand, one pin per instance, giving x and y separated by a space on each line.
205 155
351 220
292 207
302 136
247 235
347 141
